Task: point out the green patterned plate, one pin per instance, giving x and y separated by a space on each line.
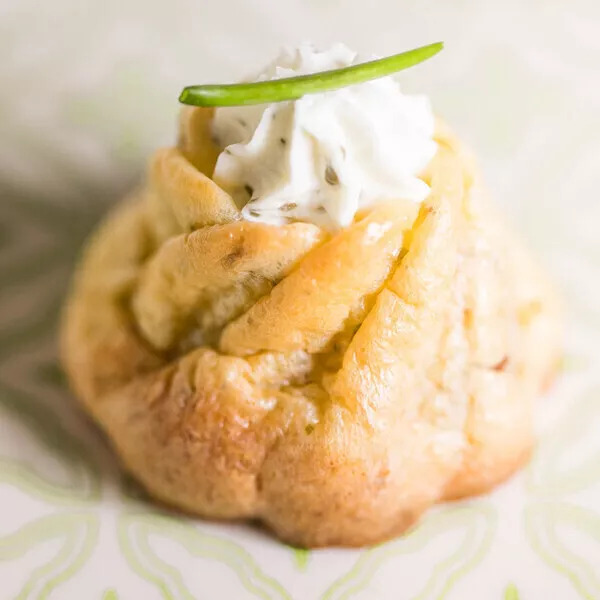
86 93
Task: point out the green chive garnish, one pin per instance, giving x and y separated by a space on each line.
291 88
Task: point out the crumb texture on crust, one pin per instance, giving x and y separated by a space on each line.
333 386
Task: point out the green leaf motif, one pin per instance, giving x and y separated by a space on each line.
544 523
78 533
138 530
546 477
301 556
476 522
511 592
83 483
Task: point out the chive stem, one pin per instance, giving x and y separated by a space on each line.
291 88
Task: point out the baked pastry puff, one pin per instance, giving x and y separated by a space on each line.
333 385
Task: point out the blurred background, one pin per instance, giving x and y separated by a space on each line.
88 90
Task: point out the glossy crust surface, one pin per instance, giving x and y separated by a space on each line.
333 386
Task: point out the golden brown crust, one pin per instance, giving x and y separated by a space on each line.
332 386
195 140
190 272
195 200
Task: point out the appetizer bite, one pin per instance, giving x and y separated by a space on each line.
309 314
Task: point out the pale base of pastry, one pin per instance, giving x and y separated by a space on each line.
333 387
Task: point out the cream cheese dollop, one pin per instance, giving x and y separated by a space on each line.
323 157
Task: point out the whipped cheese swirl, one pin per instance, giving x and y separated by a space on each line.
323 157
